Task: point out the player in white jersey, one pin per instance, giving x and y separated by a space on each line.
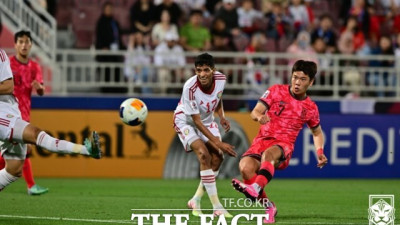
15 133
197 130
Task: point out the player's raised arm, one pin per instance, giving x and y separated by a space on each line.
318 138
258 113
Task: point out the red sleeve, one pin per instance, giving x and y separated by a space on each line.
267 97
314 117
38 73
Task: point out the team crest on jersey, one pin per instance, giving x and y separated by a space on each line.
303 113
10 116
219 95
193 104
186 131
265 94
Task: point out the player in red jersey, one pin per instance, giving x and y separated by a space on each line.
27 76
282 111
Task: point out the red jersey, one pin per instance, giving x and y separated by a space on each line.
24 74
287 114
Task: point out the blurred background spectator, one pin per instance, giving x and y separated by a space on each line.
108 37
193 35
163 27
142 20
137 64
169 59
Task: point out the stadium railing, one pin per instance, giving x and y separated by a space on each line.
17 16
248 74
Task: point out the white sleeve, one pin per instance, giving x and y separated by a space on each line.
190 104
5 69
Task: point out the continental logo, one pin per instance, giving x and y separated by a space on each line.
112 143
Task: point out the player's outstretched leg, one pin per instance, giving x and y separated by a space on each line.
25 132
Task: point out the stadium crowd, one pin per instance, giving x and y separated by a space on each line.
173 27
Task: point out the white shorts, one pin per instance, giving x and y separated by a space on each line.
189 133
11 127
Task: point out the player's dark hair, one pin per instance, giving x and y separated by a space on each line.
22 33
204 59
309 68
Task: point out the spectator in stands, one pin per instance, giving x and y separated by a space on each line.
142 20
221 44
360 11
213 5
137 64
279 23
174 11
248 17
228 13
391 11
321 48
218 28
163 27
309 6
169 58
299 14
351 39
108 37
190 5
194 36
326 33
256 76
382 79
301 49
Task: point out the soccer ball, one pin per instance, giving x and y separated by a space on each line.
133 111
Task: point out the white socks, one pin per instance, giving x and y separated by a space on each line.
6 178
208 179
60 146
200 189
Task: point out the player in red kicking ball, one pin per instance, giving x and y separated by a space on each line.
282 111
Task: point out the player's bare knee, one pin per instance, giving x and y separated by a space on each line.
204 156
14 170
271 155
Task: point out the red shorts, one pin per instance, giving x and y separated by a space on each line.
260 144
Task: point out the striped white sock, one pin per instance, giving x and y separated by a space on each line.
200 189
208 179
59 146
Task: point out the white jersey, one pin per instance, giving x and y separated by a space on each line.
196 101
8 103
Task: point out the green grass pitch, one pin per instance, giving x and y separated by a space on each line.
109 201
